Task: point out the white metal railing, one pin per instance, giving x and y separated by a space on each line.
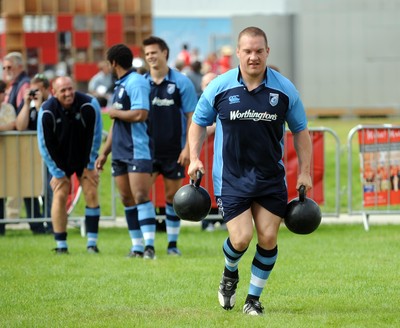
379 152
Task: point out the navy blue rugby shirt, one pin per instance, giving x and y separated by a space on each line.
249 137
131 140
170 100
69 140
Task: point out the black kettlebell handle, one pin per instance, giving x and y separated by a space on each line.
302 193
198 181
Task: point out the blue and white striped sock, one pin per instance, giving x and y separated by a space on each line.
147 221
92 217
232 258
61 239
262 265
173 225
131 214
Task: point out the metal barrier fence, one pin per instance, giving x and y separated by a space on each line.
378 171
21 169
23 175
325 170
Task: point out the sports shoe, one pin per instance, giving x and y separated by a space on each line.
149 254
92 250
61 251
174 251
253 307
227 292
133 254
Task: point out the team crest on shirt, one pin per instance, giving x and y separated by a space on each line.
273 99
117 105
171 88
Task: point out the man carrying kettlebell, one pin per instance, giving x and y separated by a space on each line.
250 105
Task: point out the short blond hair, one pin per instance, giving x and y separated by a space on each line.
253 31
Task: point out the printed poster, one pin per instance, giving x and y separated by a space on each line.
380 166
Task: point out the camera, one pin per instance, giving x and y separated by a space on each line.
32 93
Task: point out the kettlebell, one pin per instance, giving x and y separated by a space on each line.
303 215
192 202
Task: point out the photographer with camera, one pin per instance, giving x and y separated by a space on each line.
38 92
34 96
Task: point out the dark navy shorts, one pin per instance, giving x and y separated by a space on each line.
169 168
232 206
119 167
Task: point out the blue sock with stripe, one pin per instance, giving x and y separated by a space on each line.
173 225
92 217
147 221
261 267
61 239
132 219
232 258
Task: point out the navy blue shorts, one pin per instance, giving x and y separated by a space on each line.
232 206
119 167
169 168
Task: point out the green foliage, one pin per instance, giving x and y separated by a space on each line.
339 276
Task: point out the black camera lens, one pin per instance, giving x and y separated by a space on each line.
32 93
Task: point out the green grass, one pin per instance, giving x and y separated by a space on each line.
339 276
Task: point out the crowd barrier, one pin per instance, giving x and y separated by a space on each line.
325 169
23 175
378 183
21 171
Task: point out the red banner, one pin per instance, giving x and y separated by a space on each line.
157 194
380 166
317 167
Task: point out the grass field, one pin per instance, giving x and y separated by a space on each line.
339 276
